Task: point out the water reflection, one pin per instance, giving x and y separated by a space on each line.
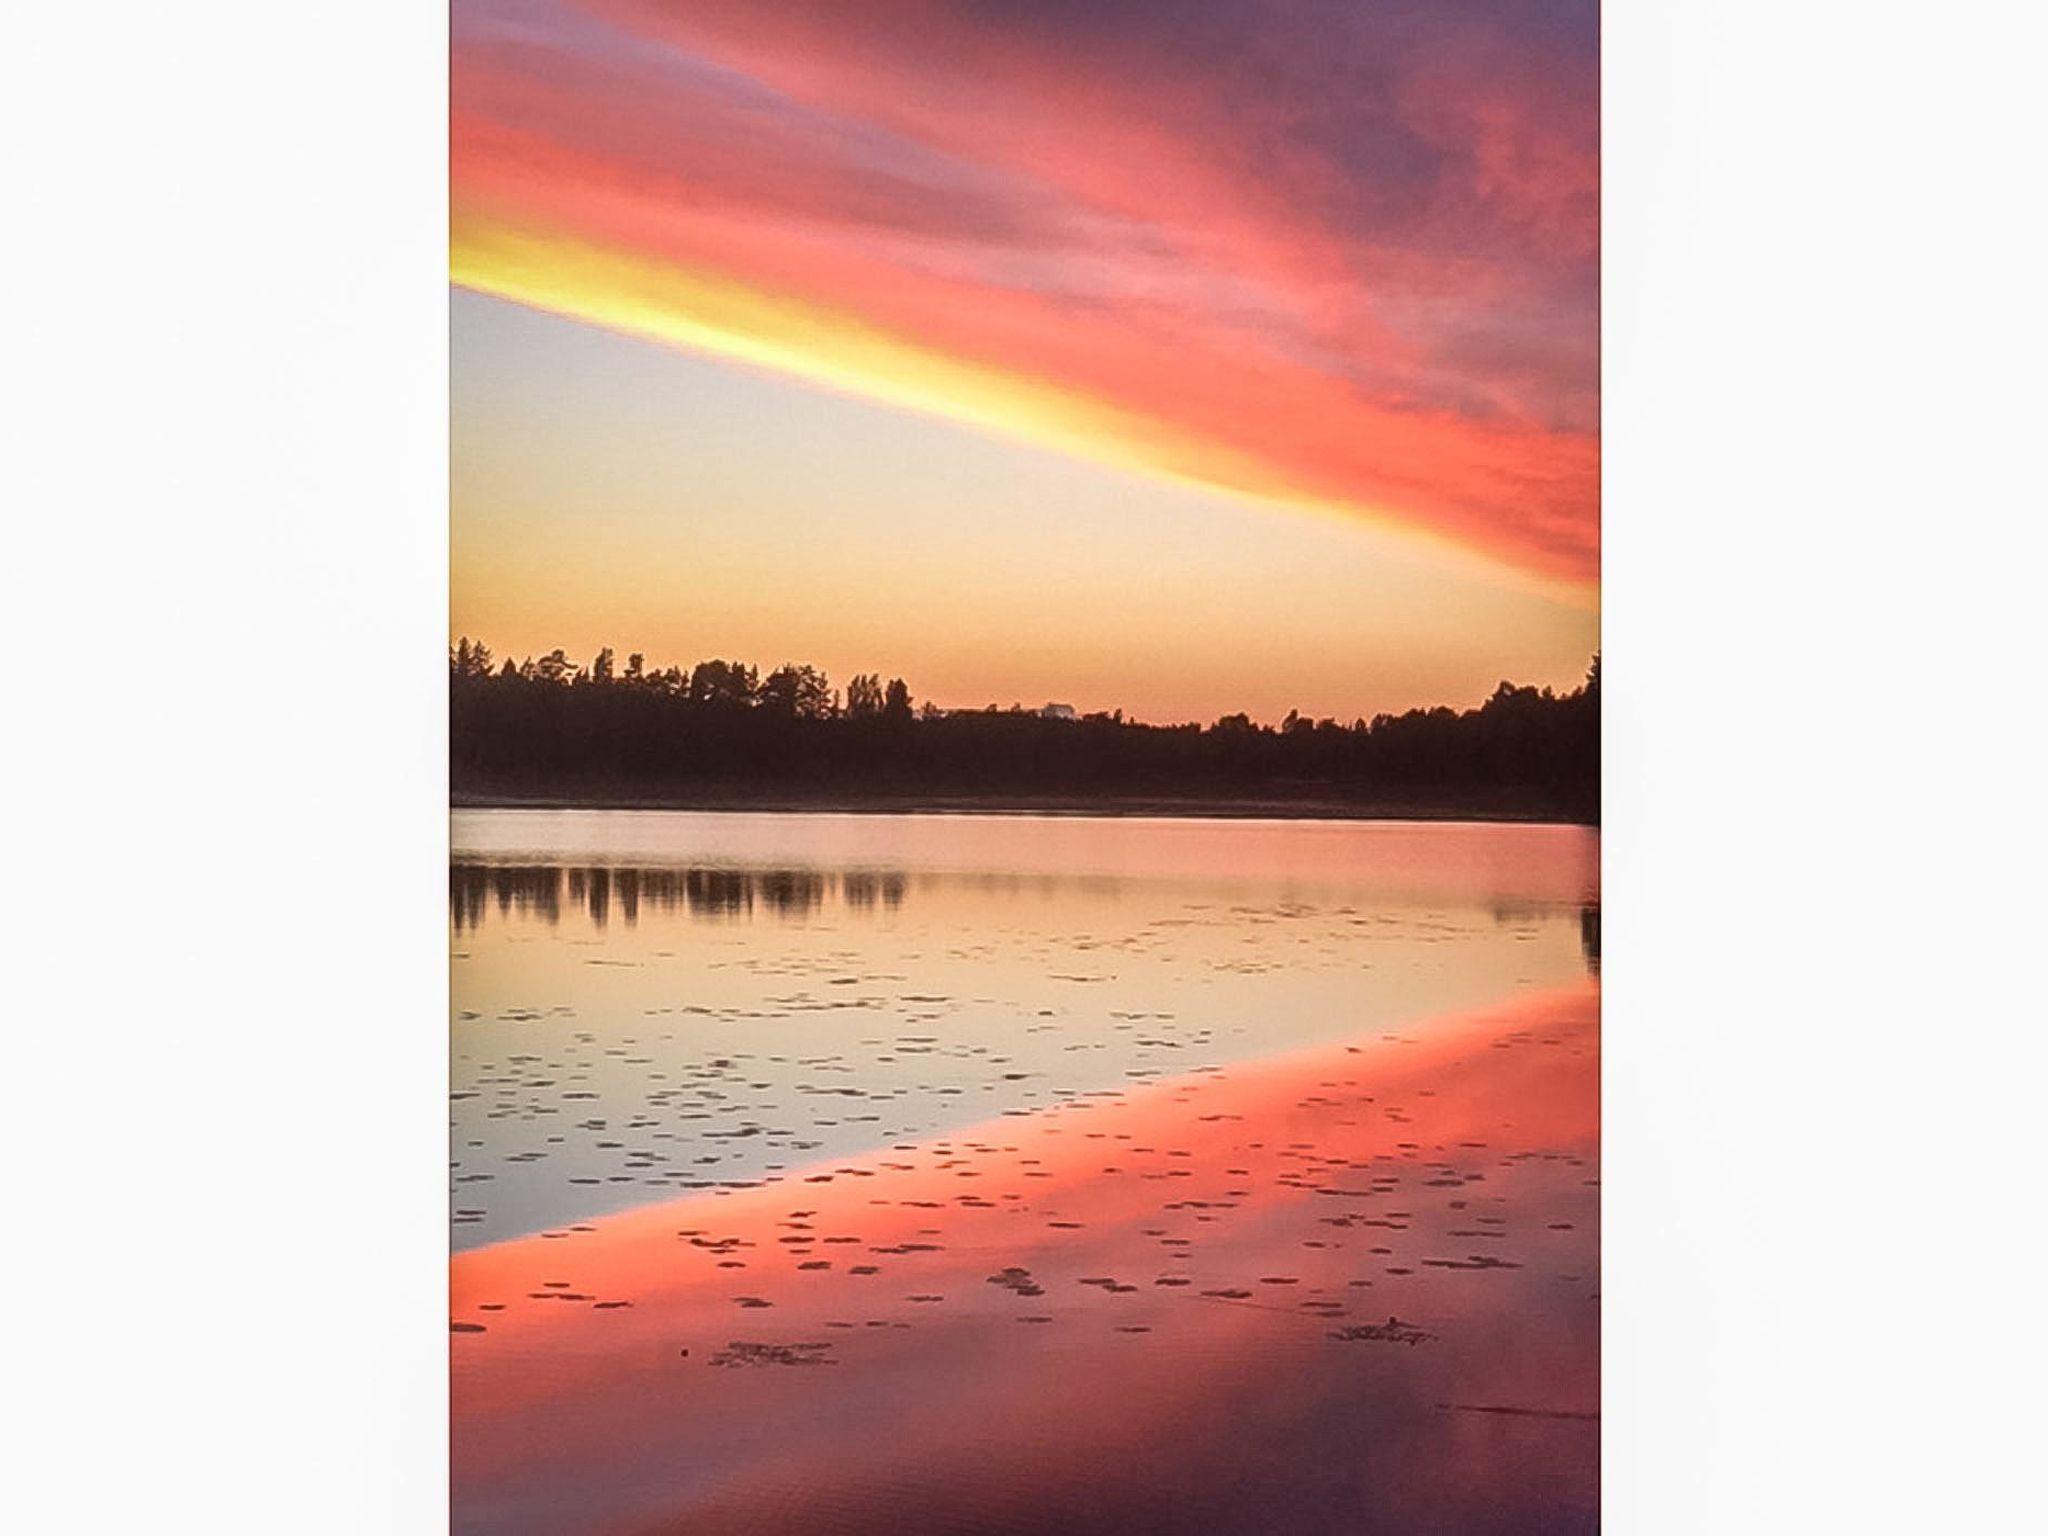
595 891
1461 861
800 1166
1352 1289
751 1017
477 889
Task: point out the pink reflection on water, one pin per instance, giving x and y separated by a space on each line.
1464 861
1349 1289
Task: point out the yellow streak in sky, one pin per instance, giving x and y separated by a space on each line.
711 313
708 313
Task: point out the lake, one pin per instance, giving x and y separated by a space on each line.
1010 1173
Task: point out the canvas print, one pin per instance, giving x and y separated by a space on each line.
1024 694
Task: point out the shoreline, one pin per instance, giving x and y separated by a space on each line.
1506 808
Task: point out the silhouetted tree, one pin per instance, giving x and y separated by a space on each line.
797 693
525 728
864 696
471 658
896 700
729 683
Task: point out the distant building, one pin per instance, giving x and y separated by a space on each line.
1059 712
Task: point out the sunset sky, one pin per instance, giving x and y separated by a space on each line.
1179 358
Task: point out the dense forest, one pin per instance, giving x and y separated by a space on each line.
721 733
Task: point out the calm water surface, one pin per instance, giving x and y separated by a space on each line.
850 1173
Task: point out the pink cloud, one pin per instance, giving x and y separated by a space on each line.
1362 264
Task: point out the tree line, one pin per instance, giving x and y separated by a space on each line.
549 726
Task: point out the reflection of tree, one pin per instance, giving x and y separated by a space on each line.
704 892
791 892
591 889
862 890
528 889
1517 914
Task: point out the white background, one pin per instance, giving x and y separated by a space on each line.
223 499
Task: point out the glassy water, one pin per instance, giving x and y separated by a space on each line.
854 1173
